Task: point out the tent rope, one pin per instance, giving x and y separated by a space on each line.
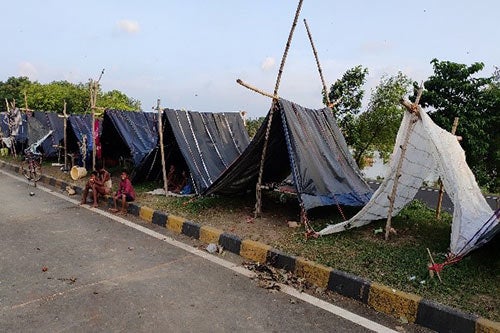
485 226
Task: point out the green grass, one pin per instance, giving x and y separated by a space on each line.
471 285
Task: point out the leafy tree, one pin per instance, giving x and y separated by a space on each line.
377 127
455 90
253 125
348 92
492 158
51 96
13 90
117 100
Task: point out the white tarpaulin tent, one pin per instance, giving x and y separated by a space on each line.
421 148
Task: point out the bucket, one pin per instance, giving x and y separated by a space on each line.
77 172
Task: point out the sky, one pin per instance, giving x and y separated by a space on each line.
190 53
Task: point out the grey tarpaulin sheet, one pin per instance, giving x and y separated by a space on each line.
51 121
308 144
205 143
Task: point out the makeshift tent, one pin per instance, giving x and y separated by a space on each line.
421 148
36 132
307 144
79 130
53 145
203 143
128 136
18 129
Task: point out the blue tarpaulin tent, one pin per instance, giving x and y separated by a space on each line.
128 135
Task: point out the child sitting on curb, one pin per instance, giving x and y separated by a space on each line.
125 194
98 188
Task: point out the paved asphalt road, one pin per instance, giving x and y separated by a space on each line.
430 196
69 268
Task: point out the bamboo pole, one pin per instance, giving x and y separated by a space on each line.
162 148
94 87
414 109
258 194
12 145
441 189
433 263
65 124
93 106
325 91
257 90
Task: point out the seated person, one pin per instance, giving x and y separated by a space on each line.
124 194
97 188
104 177
176 181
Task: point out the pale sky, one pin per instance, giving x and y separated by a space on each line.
189 53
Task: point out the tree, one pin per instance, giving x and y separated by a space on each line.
117 100
376 128
253 125
51 96
492 158
455 90
348 92
13 90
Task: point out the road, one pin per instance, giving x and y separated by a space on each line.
65 267
429 196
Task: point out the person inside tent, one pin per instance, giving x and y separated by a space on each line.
124 194
176 180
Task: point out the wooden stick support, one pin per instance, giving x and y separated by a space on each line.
65 124
162 148
432 261
415 110
441 189
257 90
318 65
258 203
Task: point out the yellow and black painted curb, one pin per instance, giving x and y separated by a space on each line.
402 305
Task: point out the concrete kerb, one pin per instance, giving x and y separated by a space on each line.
392 302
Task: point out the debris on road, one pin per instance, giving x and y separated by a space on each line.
269 277
70 190
70 280
211 248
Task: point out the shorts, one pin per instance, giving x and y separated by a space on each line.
128 198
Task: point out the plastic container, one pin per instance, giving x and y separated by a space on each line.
77 172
